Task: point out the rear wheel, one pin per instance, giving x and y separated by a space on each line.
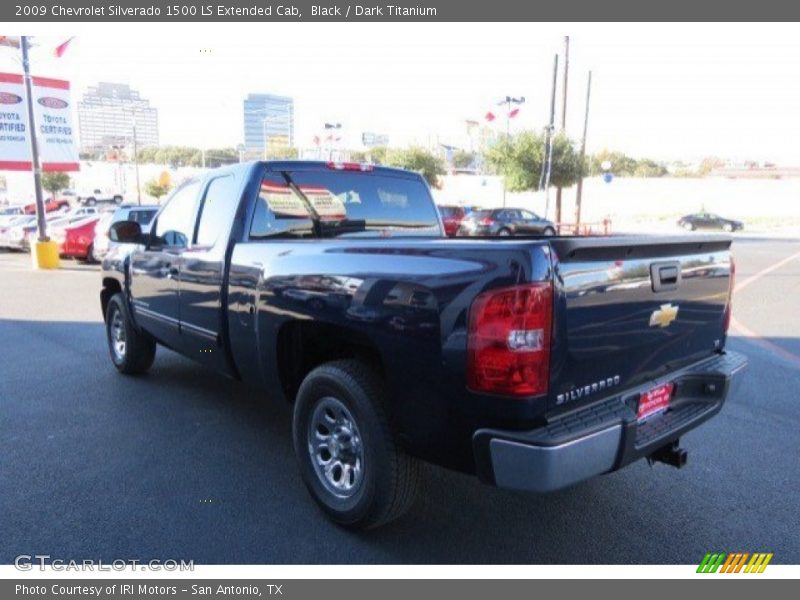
117 199
727 227
132 351
688 226
504 232
91 202
347 454
549 231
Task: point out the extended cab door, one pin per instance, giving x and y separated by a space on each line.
155 270
202 273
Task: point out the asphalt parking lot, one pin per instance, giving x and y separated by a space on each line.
185 464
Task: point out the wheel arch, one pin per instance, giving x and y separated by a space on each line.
302 346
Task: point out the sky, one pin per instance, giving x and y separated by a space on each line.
665 91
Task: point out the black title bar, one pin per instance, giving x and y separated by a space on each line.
396 10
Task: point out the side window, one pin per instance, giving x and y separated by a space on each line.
219 202
279 211
527 215
174 225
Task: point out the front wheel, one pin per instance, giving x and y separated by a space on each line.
347 454
549 231
504 232
91 202
132 351
117 199
727 227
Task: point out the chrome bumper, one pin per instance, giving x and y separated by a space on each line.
606 435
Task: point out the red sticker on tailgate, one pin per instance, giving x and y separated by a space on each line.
655 400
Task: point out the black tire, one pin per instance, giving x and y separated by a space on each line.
389 478
504 232
728 227
138 350
117 199
549 231
91 202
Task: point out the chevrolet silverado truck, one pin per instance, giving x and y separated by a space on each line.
533 362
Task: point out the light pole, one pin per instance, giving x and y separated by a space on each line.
37 168
508 101
332 126
136 158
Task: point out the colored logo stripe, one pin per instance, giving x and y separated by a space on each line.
733 562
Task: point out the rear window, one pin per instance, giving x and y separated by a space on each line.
346 203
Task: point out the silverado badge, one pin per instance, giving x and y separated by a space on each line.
664 315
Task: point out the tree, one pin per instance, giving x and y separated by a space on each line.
463 159
430 166
54 182
156 189
520 159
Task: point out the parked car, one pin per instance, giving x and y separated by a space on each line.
76 239
9 213
142 214
705 220
481 356
27 234
12 235
451 218
98 196
50 205
505 222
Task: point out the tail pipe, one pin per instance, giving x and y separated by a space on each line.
671 454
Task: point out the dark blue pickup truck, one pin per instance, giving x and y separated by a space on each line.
533 362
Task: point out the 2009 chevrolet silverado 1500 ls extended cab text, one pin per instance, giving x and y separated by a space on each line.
532 362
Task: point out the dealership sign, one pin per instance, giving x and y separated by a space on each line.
58 150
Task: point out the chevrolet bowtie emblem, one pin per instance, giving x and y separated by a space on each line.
664 315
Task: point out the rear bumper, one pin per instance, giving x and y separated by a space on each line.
604 436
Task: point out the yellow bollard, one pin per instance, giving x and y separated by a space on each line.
45 255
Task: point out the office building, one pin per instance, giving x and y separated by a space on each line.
268 123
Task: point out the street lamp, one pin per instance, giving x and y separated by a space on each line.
332 126
508 101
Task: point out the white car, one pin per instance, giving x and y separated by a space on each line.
9 213
140 214
97 195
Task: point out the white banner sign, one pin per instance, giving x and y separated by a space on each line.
52 113
15 147
56 137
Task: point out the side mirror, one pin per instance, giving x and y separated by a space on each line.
127 232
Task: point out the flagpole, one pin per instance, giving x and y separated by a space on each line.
37 168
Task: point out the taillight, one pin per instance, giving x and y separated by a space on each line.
726 320
487 221
508 344
350 166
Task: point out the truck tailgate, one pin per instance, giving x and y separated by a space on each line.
629 309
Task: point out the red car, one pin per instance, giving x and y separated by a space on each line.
50 205
451 218
76 240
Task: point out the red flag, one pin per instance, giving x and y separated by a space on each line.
513 113
489 116
62 47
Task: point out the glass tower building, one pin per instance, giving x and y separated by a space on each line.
268 123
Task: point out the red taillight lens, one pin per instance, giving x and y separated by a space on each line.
508 344
350 166
487 221
726 320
